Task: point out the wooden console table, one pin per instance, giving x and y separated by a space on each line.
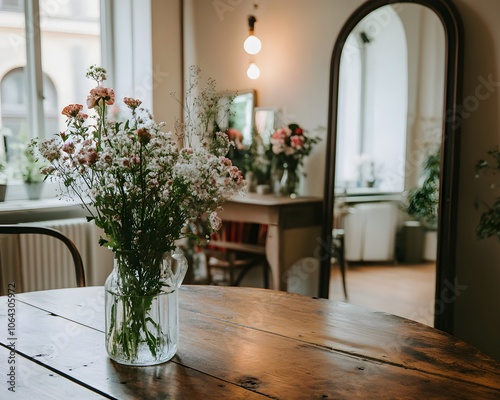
240 343
294 228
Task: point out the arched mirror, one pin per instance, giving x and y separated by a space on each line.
389 110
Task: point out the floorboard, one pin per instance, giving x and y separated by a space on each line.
401 289
404 290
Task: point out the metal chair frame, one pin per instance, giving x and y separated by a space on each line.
12 229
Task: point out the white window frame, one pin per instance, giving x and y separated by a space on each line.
34 58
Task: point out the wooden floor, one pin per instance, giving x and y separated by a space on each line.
401 289
404 290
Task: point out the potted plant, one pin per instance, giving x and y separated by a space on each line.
31 175
489 222
422 203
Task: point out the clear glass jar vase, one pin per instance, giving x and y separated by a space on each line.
289 182
141 311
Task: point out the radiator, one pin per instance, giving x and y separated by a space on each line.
40 262
370 232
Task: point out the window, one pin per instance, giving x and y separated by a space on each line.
42 67
13 103
373 106
12 5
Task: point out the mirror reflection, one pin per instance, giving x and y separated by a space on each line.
235 118
265 123
237 108
390 123
390 99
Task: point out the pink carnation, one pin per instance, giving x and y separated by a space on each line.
72 110
100 93
132 103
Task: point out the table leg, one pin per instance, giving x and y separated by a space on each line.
284 248
274 256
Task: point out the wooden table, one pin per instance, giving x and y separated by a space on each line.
241 343
294 230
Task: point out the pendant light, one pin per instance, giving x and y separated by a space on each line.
252 44
253 72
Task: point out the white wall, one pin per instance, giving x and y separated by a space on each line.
298 38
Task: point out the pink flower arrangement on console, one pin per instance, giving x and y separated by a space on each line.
290 145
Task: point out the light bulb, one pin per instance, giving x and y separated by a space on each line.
252 44
253 72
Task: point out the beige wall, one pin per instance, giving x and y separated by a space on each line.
167 64
297 42
298 38
477 310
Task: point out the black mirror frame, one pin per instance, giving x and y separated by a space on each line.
448 201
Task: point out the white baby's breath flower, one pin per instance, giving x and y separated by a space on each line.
128 182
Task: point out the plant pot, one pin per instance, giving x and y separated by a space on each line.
141 318
413 242
3 190
430 245
34 190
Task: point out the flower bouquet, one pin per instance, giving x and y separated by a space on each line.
290 145
141 188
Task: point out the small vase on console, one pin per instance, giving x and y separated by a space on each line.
289 182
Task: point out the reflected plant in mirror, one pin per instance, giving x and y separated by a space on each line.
422 201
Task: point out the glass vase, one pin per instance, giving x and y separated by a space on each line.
289 183
141 312
34 190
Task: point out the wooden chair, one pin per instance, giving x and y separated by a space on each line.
235 260
39 230
338 255
341 210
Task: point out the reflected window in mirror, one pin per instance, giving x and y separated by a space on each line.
389 119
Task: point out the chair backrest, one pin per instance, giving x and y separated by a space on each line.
40 230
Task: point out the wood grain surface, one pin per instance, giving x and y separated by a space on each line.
246 343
